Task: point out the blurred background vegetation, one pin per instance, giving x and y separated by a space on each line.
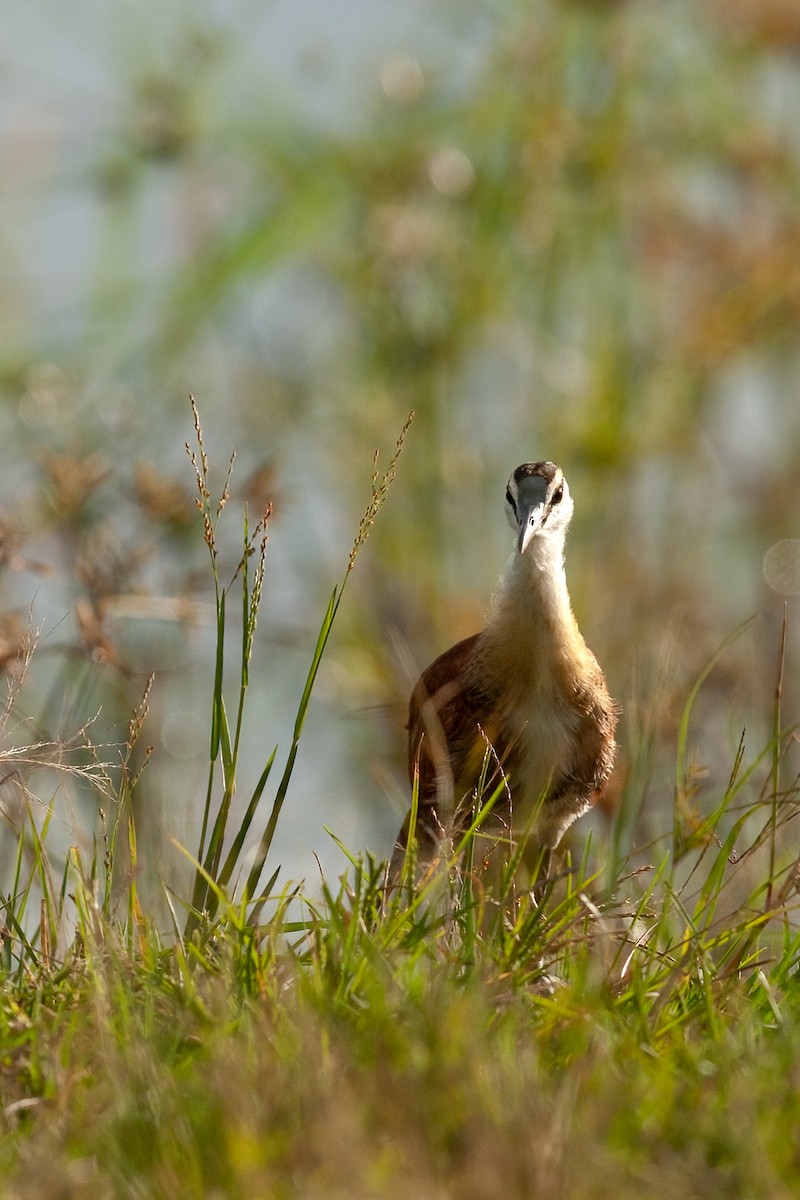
566 229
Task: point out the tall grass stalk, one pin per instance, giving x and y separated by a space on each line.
224 746
777 742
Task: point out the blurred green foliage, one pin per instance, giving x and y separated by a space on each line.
560 229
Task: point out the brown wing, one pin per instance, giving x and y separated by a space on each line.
437 700
451 721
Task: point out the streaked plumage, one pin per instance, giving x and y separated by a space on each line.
527 686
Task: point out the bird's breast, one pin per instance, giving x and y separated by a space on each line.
547 735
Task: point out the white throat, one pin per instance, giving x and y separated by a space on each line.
532 633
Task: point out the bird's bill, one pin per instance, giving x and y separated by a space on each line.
530 519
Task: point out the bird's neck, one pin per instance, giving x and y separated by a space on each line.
532 632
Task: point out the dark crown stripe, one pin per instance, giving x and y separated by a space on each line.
547 470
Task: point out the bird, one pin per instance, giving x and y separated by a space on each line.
520 711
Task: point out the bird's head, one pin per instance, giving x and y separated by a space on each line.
538 502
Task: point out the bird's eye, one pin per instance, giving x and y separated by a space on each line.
558 494
510 499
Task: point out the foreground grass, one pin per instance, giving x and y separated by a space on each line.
402 1054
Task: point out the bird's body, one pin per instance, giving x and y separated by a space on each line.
526 690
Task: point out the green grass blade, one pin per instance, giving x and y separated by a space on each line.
238 842
319 650
280 795
226 748
216 711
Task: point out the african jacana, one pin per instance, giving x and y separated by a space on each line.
526 691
